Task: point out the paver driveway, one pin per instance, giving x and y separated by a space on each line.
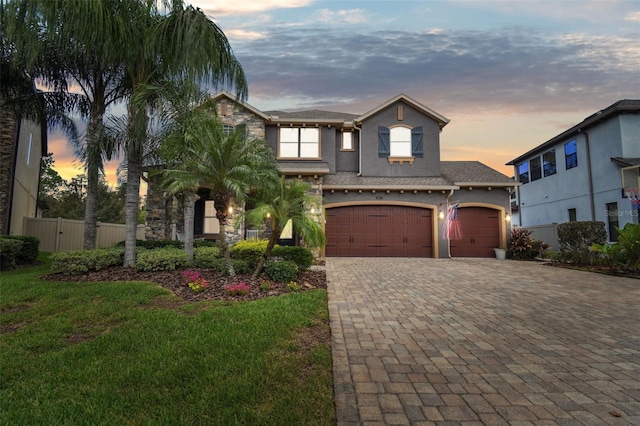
482 341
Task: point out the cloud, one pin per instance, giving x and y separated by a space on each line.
226 8
343 16
633 17
515 68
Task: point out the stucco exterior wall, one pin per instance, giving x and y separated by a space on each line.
549 199
373 165
8 135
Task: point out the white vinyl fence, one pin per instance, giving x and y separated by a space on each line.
545 233
65 234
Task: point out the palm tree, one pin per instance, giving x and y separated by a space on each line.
229 165
281 203
183 45
67 43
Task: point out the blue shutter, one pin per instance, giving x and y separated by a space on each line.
417 145
384 147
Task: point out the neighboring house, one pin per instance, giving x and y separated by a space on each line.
22 145
378 176
576 176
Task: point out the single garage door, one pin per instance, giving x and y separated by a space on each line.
480 232
379 231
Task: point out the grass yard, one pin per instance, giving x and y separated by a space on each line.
133 354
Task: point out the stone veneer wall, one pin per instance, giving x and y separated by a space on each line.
163 212
8 138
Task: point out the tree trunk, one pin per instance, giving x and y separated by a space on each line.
93 163
221 203
273 239
189 213
134 172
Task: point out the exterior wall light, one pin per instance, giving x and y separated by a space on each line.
441 215
507 218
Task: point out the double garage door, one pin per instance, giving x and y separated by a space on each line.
379 231
403 231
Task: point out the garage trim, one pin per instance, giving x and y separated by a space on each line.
432 207
503 222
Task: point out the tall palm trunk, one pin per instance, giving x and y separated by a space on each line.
189 213
221 203
132 199
94 163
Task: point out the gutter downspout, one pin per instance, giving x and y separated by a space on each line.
590 175
359 148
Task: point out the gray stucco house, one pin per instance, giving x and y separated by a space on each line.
576 175
378 177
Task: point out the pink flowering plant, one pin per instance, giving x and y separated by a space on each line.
237 289
194 281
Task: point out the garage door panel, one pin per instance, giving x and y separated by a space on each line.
379 231
481 232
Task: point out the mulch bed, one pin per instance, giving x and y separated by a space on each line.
216 282
615 271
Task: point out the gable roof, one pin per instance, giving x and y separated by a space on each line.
474 173
245 105
621 107
442 120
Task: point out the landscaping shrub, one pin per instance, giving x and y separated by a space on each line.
249 251
9 252
205 257
302 256
629 242
81 261
162 259
30 247
625 252
239 266
205 243
282 271
575 239
523 246
155 244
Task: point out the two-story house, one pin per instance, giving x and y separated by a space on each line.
576 175
378 176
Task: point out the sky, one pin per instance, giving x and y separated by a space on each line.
509 75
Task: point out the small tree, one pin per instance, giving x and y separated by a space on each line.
278 205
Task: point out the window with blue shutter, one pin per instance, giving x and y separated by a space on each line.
417 144
384 146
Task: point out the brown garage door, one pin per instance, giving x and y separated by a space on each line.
379 231
480 232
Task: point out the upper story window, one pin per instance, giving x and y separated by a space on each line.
299 142
227 129
347 141
523 172
571 154
400 142
536 169
549 163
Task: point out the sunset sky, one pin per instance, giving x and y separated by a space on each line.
508 74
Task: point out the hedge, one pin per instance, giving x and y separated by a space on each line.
30 247
166 259
81 261
302 256
282 271
10 250
575 239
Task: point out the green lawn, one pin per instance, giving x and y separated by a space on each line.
133 354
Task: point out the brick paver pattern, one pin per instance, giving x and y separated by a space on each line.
482 342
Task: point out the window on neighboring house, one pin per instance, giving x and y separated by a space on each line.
400 141
299 142
227 129
571 154
347 141
549 163
612 221
536 168
573 216
523 172
211 223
